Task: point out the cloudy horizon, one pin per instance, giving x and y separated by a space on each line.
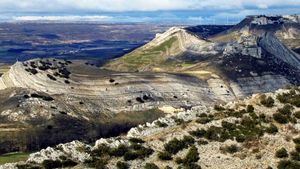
185 11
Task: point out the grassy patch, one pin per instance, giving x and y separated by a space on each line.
13 157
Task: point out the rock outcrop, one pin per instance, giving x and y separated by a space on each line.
224 137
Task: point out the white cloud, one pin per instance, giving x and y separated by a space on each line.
63 18
136 5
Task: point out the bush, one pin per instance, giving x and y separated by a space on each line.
122 165
250 109
102 149
288 164
295 155
272 129
161 124
192 156
228 126
219 108
192 166
202 142
230 149
267 101
119 151
297 114
165 156
280 118
178 160
50 164
212 133
198 133
137 152
151 166
175 145
130 155
51 77
286 110
136 140
281 153
297 148
240 138
291 97
203 120
31 70
296 140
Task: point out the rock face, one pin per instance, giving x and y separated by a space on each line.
214 134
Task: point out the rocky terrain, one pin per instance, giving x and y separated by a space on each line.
39 96
175 78
258 51
261 131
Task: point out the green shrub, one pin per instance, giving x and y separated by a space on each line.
219 108
188 140
161 124
280 118
50 164
203 120
68 163
267 101
291 97
178 121
228 126
192 166
198 133
250 109
102 149
98 163
248 122
192 156
122 165
281 153
28 166
178 160
296 140
119 151
240 138
272 129
297 148
203 115
288 164
130 155
212 133
136 140
295 155
175 145
230 149
137 151
202 142
286 110
151 166
165 156
297 114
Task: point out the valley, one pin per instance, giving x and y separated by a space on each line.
217 90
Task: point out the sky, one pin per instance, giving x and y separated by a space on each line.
160 11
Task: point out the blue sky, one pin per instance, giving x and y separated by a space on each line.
159 11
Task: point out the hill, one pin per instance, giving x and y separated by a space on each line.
44 102
259 132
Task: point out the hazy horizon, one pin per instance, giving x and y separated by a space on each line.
136 11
